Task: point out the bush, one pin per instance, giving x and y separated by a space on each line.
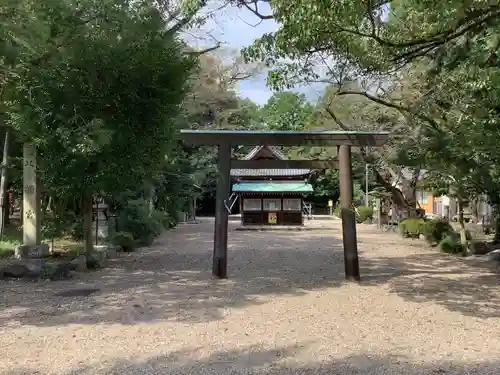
164 219
364 213
337 212
436 229
125 240
135 219
450 245
411 227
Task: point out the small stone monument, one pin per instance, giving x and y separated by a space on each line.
31 200
100 224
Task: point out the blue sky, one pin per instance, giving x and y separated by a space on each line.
238 28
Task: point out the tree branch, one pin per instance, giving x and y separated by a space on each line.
255 9
394 191
400 108
203 51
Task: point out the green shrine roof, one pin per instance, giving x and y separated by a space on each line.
273 187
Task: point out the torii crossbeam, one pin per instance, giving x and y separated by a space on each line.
226 139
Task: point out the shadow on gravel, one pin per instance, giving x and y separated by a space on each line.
281 361
172 280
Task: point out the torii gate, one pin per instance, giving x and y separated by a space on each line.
225 139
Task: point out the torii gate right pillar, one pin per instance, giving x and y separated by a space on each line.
348 215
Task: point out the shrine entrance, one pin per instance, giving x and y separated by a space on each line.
226 139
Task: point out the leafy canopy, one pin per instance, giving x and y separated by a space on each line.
102 109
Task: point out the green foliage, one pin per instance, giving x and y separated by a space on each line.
450 244
102 109
164 219
136 220
55 225
12 236
412 228
357 193
442 106
325 183
125 240
6 252
287 111
364 213
76 230
436 229
74 252
338 210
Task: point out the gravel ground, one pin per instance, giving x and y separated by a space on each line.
284 310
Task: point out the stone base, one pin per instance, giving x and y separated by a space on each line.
32 251
36 269
53 268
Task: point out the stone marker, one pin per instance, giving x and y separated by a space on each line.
102 222
32 251
31 205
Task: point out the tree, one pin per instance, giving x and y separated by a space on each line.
369 35
446 54
102 110
287 111
213 101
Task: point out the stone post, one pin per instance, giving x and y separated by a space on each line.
100 224
31 205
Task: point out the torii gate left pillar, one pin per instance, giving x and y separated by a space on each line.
219 264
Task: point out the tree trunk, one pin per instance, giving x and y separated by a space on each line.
3 183
87 222
496 218
463 236
7 208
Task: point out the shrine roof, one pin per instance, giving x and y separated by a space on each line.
277 154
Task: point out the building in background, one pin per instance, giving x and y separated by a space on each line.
442 206
270 196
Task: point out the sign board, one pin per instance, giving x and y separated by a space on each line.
330 203
272 218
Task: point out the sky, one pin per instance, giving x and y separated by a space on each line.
238 28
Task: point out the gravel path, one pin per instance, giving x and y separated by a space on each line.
284 310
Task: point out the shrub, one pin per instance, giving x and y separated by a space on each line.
337 212
125 240
411 227
135 219
76 230
436 229
164 219
364 213
74 252
450 245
